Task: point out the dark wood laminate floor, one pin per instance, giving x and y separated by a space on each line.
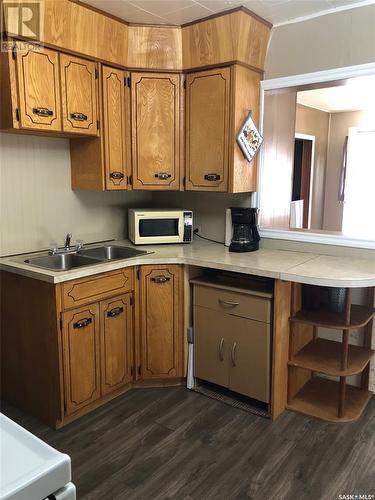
173 443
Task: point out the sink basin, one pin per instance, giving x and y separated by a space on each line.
111 252
61 262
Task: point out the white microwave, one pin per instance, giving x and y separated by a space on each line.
150 226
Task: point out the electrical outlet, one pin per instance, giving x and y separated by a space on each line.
197 229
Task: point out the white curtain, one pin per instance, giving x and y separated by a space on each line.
359 205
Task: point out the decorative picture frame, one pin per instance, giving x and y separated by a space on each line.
249 138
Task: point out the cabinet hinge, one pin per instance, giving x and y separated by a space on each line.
96 73
138 274
139 369
184 84
129 82
61 326
184 181
131 371
129 179
64 407
17 114
14 52
131 300
97 124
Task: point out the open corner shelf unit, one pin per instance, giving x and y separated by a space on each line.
309 356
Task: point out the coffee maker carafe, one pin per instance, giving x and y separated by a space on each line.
245 230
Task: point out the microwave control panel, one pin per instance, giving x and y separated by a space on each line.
188 226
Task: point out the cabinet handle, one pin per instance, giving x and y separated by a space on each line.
79 117
221 345
233 353
42 112
116 175
163 176
82 323
212 177
115 312
160 279
228 303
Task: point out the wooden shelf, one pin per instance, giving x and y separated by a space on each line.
359 316
319 398
324 356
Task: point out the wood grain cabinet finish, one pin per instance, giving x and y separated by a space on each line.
116 342
81 357
38 89
95 288
79 95
116 127
156 130
207 130
161 310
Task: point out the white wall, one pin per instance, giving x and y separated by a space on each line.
335 40
37 205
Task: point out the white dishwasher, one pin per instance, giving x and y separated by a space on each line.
31 469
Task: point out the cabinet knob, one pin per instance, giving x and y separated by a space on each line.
160 279
163 176
116 175
79 117
42 112
115 312
82 323
212 177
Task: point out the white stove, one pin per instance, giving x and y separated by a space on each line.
31 469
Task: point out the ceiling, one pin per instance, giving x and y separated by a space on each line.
184 11
357 94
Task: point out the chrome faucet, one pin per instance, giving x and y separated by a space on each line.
54 249
68 238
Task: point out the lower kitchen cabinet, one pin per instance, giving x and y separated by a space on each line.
81 357
116 329
231 350
97 350
161 309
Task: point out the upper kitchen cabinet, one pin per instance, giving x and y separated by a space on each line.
79 95
116 125
217 103
207 130
104 163
156 130
31 90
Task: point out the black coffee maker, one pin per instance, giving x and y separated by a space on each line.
245 230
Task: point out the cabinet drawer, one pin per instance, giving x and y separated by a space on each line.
95 288
235 303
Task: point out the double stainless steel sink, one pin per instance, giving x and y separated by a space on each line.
83 257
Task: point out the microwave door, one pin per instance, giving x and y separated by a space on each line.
160 229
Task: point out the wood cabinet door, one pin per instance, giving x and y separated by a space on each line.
249 354
79 95
207 130
38 89
115 342
161 321
155 130
81 357
211 346
116 127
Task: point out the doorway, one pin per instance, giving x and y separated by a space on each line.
302 181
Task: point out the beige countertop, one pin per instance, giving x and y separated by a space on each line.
309 268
